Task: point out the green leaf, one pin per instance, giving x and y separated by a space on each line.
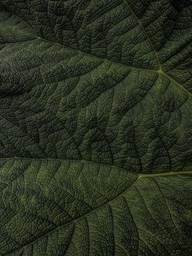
80 208
95 127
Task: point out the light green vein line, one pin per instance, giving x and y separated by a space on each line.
142 27
141 175
164 174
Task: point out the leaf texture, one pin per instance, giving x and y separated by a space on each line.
79 208
95 127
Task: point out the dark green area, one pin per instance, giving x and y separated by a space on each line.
95 128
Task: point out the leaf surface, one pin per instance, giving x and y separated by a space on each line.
80 208
95 127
